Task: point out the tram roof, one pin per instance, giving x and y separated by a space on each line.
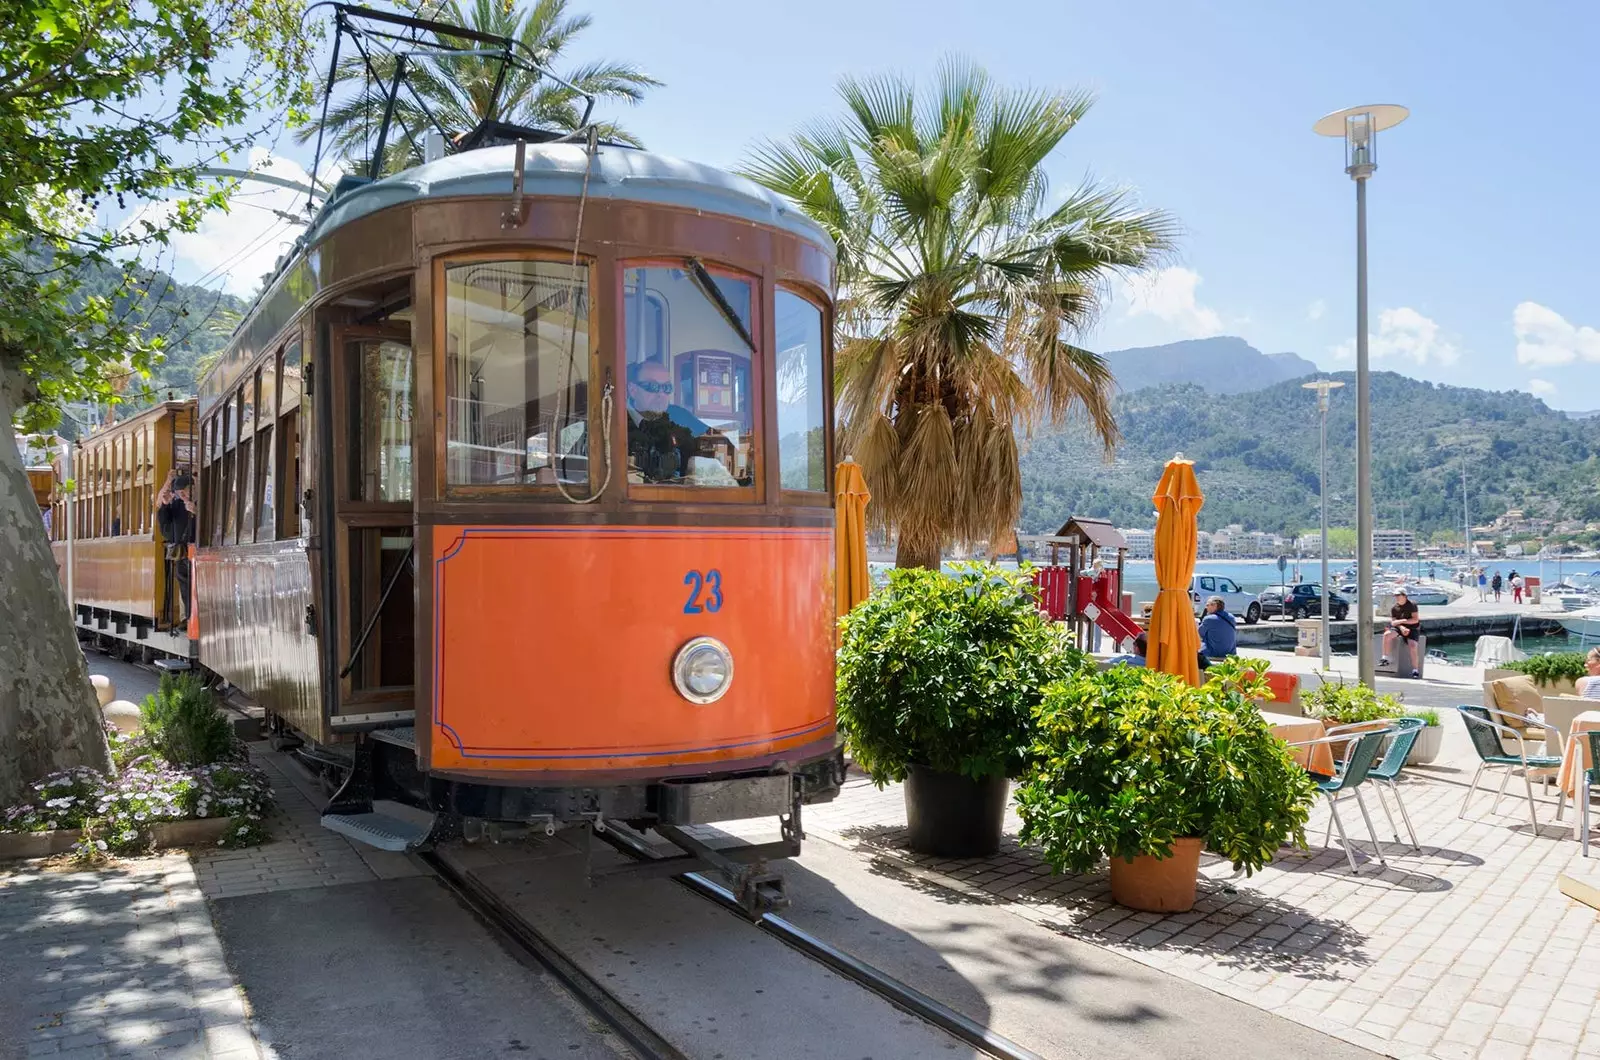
557 169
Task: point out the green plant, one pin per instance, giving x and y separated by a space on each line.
1348 704
1552 667
944 671
1430 717
184 723
1127 760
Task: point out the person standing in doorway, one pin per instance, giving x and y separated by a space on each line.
175 519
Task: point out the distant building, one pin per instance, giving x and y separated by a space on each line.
1203 544
1141 543
1393 542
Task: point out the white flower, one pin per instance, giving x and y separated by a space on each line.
100 844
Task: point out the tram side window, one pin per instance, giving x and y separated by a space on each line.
383 399
691 409
229 493
266 454
291 505
248 402
802 391
517 373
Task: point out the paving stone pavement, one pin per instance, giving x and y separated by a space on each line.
1461 949
115 962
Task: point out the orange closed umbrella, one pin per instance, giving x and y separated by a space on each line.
1174 641
852 581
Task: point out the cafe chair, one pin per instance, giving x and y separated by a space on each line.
1387 769
1487 736
1361 754
1587 780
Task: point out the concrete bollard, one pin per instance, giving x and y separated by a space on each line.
124 716
104 690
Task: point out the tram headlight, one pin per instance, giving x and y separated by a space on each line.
703 670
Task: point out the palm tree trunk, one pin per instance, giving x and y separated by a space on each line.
914 554
49 717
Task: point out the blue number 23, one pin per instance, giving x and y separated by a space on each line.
705 592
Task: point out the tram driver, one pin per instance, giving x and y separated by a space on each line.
175 518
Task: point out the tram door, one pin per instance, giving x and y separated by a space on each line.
375 393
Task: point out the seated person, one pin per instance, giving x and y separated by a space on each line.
1589 686
1219 637
1141 647
1403 626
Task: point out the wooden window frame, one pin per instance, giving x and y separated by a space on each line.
756 492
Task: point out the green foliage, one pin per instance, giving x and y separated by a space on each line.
1347 704
1429 716
966 288
185 724
1265 444
1551 667
114 814
112 109
945 671
456 88
1127 760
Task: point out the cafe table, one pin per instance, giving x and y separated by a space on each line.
1576 760
1318 758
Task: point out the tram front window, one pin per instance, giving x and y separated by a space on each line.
691 411
517 373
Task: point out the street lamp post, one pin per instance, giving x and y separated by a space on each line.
1322 386
1359 126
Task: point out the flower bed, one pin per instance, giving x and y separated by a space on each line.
148 802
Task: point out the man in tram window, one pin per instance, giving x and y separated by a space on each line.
175 519
656 426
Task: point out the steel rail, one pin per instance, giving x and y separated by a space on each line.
525 940
902 995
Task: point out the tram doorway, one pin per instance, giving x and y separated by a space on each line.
374 376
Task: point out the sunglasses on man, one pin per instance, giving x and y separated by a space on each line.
651 387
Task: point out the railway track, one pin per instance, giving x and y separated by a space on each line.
534 948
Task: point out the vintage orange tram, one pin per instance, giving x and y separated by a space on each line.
515 495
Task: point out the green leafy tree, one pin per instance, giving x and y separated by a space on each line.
106 107
962 289
459 90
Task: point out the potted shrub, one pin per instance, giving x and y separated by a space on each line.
1429 739
1556 671
1338 703
939 675
1139 767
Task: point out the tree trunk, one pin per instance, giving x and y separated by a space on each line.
913 554
49 717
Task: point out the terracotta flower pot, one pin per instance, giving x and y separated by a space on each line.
1158 885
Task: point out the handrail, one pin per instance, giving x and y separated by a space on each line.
394 579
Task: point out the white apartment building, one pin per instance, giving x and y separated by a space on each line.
1141 543
1393 542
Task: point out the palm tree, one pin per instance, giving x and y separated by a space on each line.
459 89
960 289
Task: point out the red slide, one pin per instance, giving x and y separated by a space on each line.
1113 621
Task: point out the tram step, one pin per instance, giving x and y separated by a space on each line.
378 830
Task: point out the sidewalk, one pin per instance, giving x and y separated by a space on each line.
1463 949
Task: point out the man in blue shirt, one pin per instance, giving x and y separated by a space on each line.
1218 637
1141 647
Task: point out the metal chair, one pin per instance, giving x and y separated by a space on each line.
1403 735
1361 753
1487 735
1590 778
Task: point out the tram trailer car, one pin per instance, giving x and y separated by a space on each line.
516 499
125 596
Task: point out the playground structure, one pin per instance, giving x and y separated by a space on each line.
1086 592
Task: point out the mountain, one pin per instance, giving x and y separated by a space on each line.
1256 455
1220 365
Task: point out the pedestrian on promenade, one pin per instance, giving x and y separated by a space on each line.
1483 583
1516 587
1495 585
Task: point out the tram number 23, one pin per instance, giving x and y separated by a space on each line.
705 592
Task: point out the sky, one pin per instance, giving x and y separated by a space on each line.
1482 218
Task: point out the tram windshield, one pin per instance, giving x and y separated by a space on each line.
691 409
517 373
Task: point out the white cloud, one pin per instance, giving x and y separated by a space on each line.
235 249
1541 388
1404 334
1545 337
1169 295
1315 310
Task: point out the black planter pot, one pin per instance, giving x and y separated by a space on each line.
952 816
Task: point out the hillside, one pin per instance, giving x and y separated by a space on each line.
1221 365
1256 454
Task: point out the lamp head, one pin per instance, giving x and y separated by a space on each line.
1359 126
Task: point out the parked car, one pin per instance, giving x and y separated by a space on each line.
1302 601
1238 602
